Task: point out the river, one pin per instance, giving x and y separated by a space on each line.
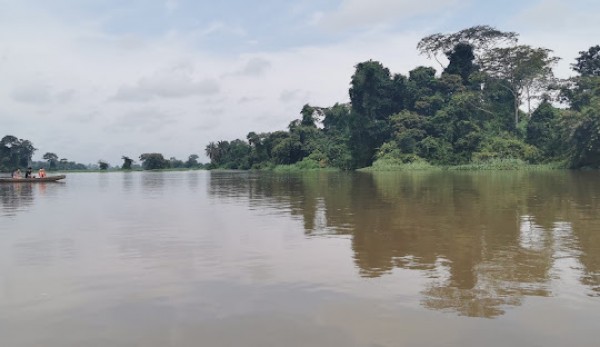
202 258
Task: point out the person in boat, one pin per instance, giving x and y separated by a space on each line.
28 173
16 173
42 173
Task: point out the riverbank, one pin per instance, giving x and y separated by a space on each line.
382 165
495 164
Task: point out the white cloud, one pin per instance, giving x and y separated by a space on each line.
296 94
147 120
215 28
32 94
171 5
169 83
565 27
352 14
247 99
254 67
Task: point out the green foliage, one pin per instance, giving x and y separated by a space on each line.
103 165
287 151
507 147
52 159
588 62
127 162
583 131
461 59
405 162
305 164
543 131
153 161
579 91
370 95
192 161
15 153
493 164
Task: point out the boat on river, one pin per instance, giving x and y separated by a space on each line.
32 180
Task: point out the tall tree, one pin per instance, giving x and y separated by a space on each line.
481 38
213 152
192 161
15 152
520 70
579 90
103 165
153 161
308 116
52 159
127 162
370 96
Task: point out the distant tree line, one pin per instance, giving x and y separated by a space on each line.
17 153
471 112
156 161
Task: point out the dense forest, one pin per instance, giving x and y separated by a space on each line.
470 113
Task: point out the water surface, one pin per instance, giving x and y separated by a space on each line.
316 259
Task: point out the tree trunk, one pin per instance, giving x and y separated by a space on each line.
516 112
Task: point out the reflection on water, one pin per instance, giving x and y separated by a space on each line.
317 259
485 240
15 197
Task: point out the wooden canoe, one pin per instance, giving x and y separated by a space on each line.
36 180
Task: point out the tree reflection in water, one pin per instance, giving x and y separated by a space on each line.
485 240
15 197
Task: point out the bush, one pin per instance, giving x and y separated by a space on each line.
506 148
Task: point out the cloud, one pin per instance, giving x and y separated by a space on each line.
147 120
220 28
171 83
254 67
359 13
66 95
290 95
171 5
248 99
555 15
566 28
83 117
33 94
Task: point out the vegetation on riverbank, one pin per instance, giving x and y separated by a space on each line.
469 117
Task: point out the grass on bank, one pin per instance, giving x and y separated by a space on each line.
304 165
507 164
492 164
393 164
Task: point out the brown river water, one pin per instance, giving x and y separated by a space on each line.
201 258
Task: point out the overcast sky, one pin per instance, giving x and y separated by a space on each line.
98 79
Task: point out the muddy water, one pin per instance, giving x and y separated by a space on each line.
316 259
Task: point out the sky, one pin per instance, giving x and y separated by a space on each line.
97 80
